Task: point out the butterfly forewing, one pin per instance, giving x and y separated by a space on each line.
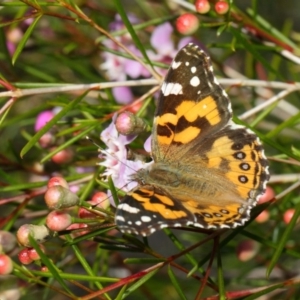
191 106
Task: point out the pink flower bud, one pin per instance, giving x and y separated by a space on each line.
63 157
33 254
247 249
267 196
58 197
6 265
288 215
99 199
47 140
58 220
263 217
75 226
24 257
40 233
57 181
202 6
187 24
128 123
221 7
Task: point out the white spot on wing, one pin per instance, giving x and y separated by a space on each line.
152 230
146 219
224 93
175 64
120 218
195 81
193 69
240 155
170 88
128 208
138 223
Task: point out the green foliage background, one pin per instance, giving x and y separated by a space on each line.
60 47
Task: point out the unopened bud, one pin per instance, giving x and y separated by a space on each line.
40 233
57 181
7 241
58 197
128 123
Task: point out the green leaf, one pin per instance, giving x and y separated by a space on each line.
113 191
22 186
251 48
288 123
222 293
121 11
296 151
263 114
176 284
143 260
140 282
68 143
282 242
24 39
120 295
270 28
267 243
48 263
85 264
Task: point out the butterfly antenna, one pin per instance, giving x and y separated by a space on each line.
93 142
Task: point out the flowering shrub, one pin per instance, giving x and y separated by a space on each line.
94 68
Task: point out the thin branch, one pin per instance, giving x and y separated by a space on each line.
288 190
103 85
285 161
7 105
267 103
284 178
76 87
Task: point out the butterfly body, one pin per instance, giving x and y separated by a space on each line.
208 171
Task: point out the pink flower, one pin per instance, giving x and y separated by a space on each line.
123 94
119 68
115 158
161 39
113 65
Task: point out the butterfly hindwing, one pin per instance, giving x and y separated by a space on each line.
146 210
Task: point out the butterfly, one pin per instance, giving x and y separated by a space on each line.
208 172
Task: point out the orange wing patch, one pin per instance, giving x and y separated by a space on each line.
185 125
157 203
217 216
